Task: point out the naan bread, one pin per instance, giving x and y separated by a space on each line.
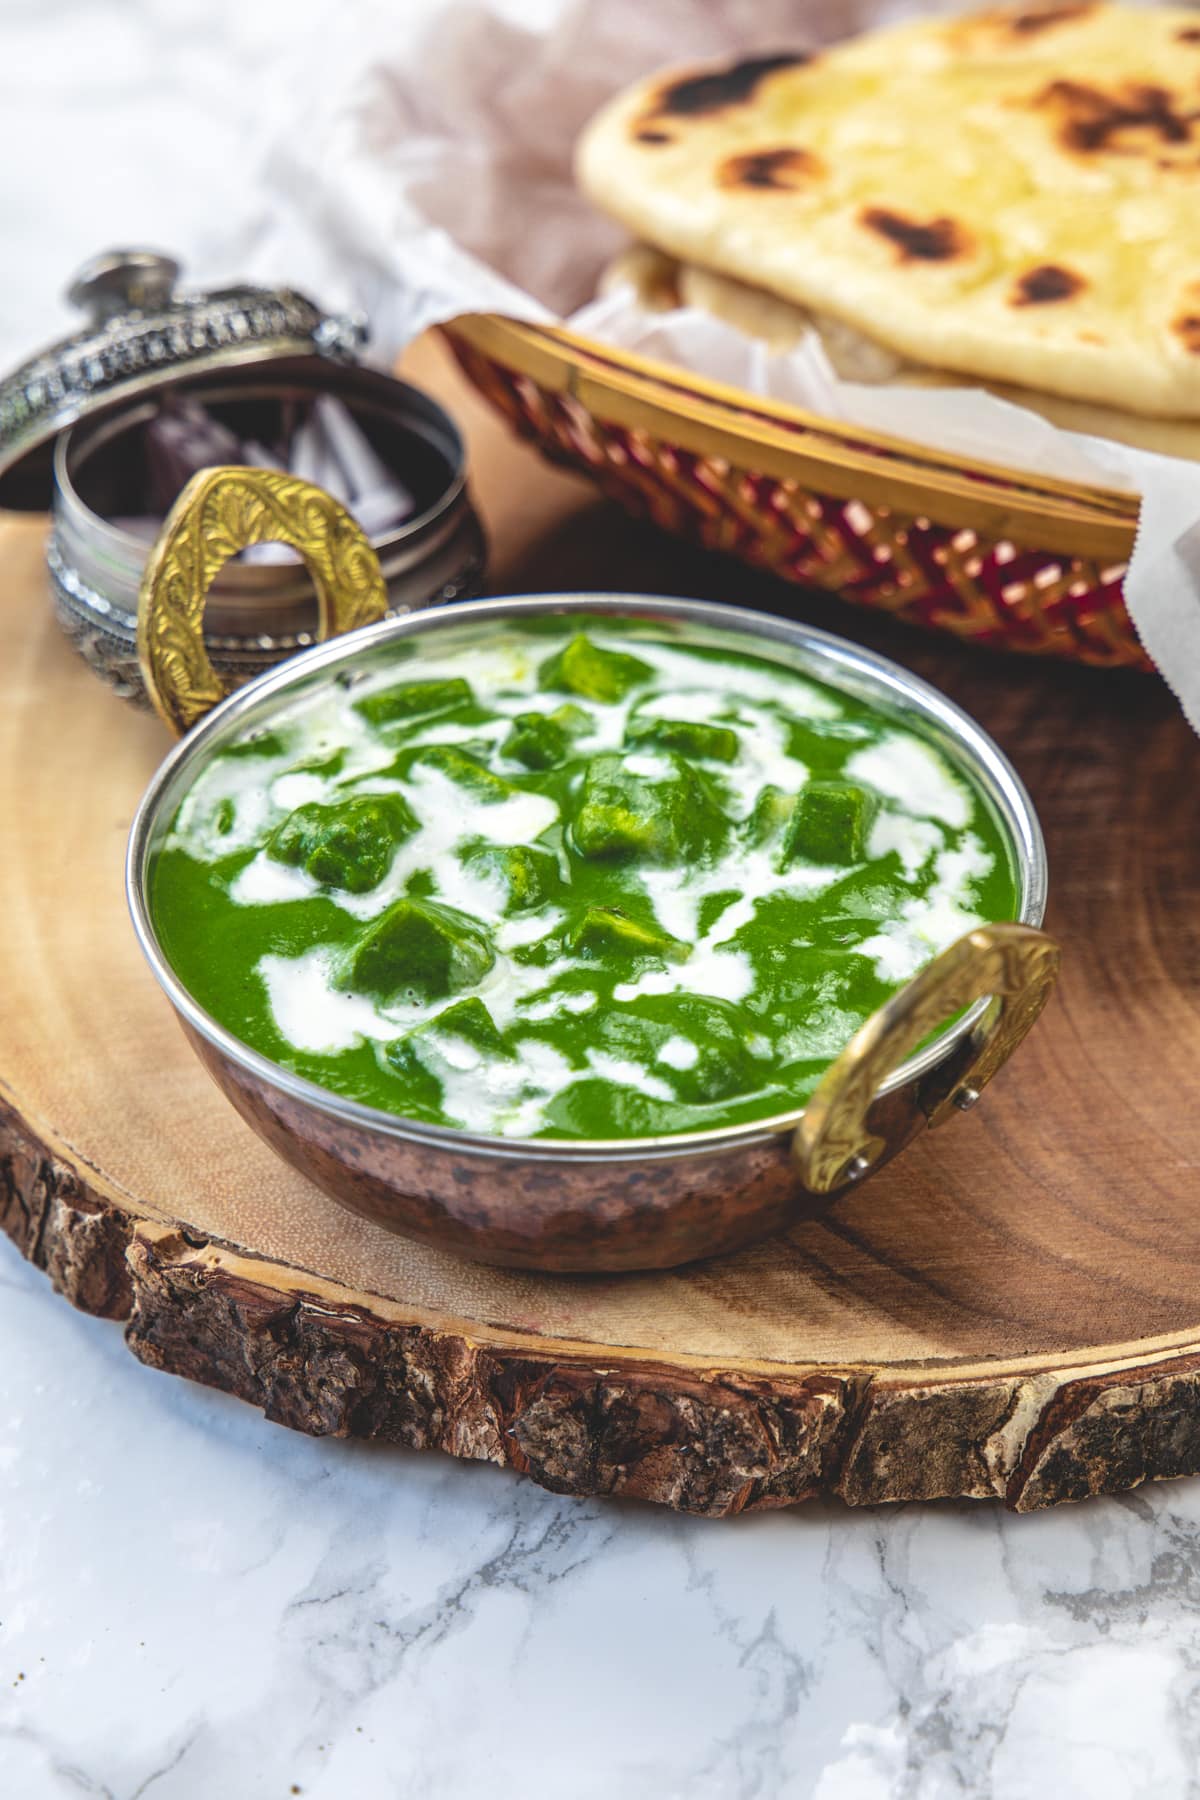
1014 195
661 283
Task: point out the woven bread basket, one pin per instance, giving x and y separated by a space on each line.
1017 561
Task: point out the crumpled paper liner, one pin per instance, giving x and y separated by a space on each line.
418 164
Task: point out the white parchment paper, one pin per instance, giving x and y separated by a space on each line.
416 163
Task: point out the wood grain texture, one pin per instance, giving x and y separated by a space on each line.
1010 1310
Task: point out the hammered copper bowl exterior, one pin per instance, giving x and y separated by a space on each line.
546 1204
620 1211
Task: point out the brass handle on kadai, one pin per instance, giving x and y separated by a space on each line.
220 512
1015 965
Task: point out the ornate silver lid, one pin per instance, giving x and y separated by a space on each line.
141 333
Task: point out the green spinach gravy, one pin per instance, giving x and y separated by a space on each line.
564 883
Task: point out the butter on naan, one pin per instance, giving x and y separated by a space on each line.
1012 195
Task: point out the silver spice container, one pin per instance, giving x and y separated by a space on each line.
72 426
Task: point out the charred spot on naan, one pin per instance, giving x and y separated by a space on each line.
647 135
1136 117
714 90
1031 20
1026 22
1047 283
1189 35
918 240
1013 24
1187 329
782 170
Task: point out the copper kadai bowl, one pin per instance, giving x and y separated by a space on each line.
1009 559
541 1204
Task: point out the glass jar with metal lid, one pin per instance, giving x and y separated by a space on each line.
76 425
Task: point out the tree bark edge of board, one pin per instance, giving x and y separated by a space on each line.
713 1444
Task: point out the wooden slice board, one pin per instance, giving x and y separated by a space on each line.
1011 1309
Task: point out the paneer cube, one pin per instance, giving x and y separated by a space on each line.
413 700
543 740
770 815
347 844
708 743
584 668
466 770
603 931
419 950
650 806
531 877
468 1020
831 824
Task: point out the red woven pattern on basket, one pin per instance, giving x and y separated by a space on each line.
949 579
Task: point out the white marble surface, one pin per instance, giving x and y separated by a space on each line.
195 1605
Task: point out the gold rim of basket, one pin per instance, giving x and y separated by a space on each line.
844 462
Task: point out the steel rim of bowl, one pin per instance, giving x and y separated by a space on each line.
864 671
